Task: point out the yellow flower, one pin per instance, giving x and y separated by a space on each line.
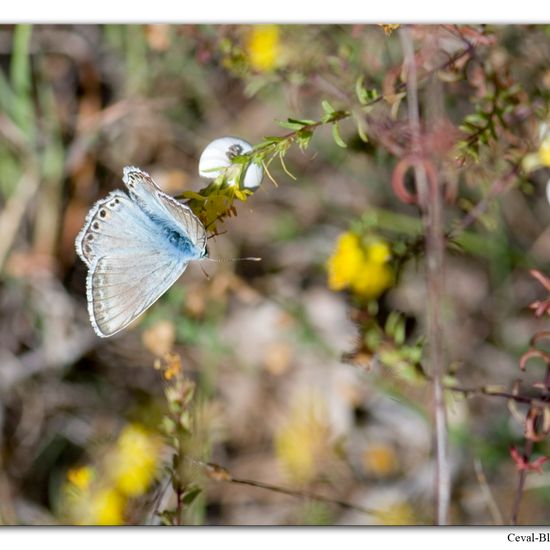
134 464
379 459
363 269
345 262
378 252
263 47
397 514
541 157
544 152
388 29
301 442
106 507
81 478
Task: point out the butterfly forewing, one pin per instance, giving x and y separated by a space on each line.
102 229
152 199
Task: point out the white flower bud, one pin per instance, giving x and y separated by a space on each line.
217 156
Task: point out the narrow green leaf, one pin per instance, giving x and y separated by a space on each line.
337 137
399 332
360 91
269 140
303 122
20 76
191 495
7 97
291 125
361 127
20 62
327 107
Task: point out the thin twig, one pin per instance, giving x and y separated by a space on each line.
536 400
402 86
304 494
498 187
491 503
430 202
522 475
219 473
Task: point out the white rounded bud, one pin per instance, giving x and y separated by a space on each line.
217 156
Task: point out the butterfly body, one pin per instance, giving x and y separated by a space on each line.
181 243
135 248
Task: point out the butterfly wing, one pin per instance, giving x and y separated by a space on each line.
153 200
130 263
101 229
120 287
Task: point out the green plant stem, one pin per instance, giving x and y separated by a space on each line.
290 137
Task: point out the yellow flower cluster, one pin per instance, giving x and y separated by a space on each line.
263 47
363 268
380 460
544 152
135 461
398 514
302 441
99 496
541 157
388 29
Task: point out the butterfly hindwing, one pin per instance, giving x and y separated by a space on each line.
121 286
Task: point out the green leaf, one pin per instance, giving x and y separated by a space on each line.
167 517
360 90
327 107
361 128
399 332
391 323
193 195
7 96
168 425
190 495
302 121
303 138
337 137
20 76
363 95
362 135
269 140
290 124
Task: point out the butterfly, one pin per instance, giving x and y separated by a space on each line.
135 246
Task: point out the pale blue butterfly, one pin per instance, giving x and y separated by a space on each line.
135 247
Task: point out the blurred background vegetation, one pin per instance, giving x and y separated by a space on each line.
291 371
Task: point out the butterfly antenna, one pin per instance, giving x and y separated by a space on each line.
247 259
